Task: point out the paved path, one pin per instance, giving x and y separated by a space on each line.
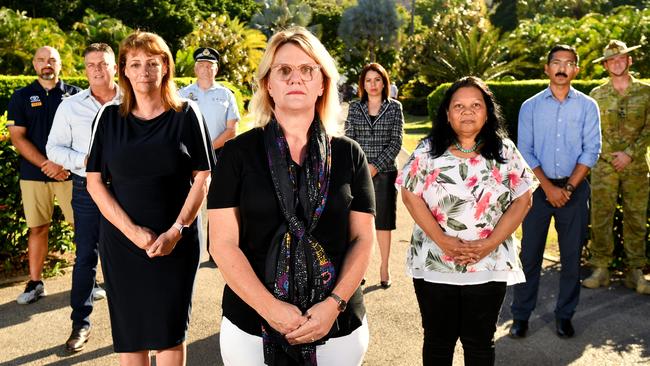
613 324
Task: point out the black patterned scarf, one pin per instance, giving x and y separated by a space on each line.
298 270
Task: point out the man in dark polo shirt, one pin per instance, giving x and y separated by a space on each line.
30 115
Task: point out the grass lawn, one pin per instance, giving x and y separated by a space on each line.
415 128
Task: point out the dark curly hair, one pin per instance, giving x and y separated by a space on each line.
442 136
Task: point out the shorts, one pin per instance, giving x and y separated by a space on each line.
385 200
38 201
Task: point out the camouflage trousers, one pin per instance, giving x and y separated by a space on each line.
606 184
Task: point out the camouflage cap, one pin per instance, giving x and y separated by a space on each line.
613 49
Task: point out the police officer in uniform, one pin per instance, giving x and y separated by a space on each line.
625 116
216 102
218 106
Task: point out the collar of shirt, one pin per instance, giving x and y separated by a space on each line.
548 93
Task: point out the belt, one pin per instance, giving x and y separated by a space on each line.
560 182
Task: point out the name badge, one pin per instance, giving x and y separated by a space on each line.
37 104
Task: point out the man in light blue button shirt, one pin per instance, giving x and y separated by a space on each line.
68 145
218 106
216 102
559 137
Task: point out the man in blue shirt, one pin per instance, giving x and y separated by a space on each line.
68 145
559 137
216 102
30 113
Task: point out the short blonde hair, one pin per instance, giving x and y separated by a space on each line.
152 44
327 105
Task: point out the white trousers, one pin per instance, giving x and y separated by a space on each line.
239 348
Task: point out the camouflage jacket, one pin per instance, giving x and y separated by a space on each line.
625 119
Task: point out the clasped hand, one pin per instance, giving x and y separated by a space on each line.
465 252
54 170
299 328
156 245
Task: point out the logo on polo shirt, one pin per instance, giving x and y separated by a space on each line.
192 97
35 100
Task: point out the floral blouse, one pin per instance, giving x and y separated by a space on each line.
467 197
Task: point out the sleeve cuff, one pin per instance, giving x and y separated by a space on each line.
80 161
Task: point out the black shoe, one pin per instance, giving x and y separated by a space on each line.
78 339
564 328
518 329
385 284
363 281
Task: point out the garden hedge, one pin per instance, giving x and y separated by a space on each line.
13 229
510 95
9 83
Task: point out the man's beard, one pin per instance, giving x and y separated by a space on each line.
47 75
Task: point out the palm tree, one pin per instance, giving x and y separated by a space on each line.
480 52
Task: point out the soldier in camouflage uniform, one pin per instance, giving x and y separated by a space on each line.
625 117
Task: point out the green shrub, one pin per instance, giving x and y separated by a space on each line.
9 84
413 96
13 228
510 95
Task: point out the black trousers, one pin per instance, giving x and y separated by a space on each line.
467 312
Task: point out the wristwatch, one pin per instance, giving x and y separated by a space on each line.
569 188
180 227
342 304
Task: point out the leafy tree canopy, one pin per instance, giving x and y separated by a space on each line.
240 48
370 33
276 15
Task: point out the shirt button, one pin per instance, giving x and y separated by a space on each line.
557 164
559 119
558 135
557 149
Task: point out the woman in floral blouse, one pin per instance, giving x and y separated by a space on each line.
468 189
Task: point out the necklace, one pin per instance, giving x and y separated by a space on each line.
467 151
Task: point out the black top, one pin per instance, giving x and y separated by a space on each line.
242 179
149 165
34 107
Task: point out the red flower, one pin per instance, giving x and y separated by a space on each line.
496 174
447 258
414 166
482 205
400 179
514 179
438 215
485 233
472 181
475 160
431 178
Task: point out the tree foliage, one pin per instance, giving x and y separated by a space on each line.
533 38
325 20
95 27
478 52
21 36
370 32
240 9
276 15
240 48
